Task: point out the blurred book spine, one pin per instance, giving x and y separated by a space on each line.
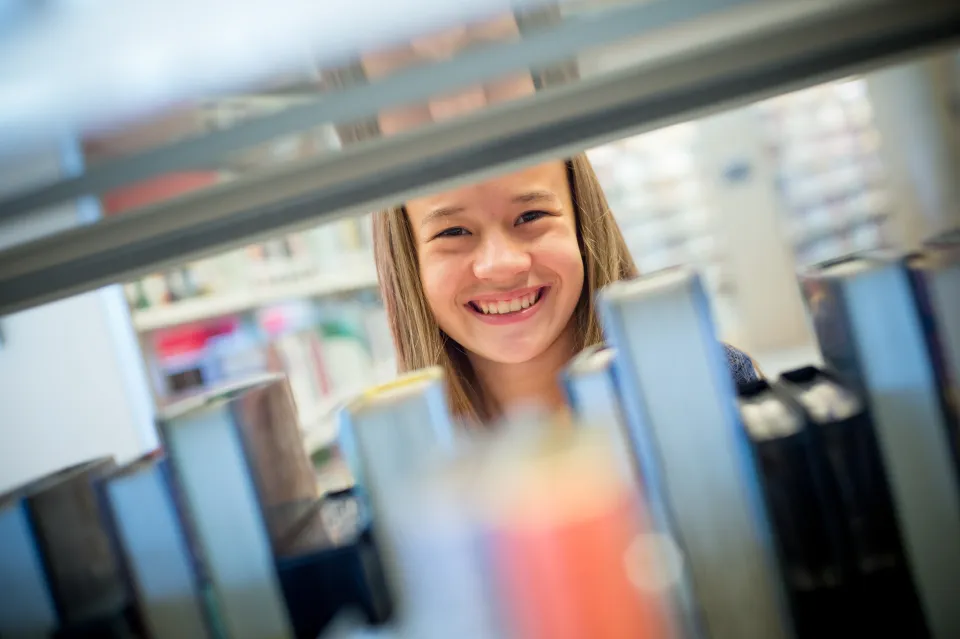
329 353
935 275
591 386
206 438
699 474
441 569
27 608
385 435
81 579
871 331
154 541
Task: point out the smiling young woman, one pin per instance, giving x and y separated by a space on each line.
495 282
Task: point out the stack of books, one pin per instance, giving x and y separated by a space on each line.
883 322
825 503
222 533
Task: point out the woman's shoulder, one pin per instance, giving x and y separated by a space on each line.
741 366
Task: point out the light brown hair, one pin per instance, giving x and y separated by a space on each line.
419 340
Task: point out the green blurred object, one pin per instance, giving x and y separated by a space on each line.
321 456
341 328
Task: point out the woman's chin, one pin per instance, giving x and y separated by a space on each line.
506 354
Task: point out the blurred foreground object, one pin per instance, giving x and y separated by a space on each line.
935 275
571 550
591 384
874 334
58 570
56 89
528 531
207 440
166 574
698 473
442 571
386 434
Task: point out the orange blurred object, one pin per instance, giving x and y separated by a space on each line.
571 581
568 546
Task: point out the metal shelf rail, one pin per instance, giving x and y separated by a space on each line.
576 33
723 59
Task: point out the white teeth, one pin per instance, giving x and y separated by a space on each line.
514 305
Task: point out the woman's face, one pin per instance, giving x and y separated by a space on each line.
500 263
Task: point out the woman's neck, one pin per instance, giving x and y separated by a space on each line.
534 382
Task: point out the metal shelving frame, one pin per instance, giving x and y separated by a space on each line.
688 64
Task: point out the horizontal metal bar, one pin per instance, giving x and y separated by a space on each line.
405 87
687 73
137 55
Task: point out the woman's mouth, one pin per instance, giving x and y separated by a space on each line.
510 307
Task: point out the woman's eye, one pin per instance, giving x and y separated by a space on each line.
530 216
455 231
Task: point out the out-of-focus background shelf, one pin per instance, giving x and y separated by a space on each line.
228 303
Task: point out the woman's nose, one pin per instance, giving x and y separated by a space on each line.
501 258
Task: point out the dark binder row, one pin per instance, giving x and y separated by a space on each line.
828 499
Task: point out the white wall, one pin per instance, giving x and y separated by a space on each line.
72 382
920 144
770 311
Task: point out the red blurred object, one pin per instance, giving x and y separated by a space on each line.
156 189
274 320
190 338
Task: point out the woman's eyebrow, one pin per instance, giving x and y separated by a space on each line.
536 196
444 211
522 198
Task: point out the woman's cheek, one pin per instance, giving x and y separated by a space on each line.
575 278
562 256
440 280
